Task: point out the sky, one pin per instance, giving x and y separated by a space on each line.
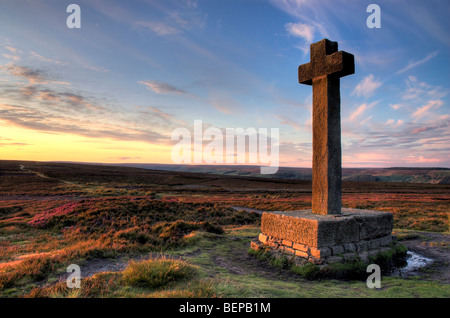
114 90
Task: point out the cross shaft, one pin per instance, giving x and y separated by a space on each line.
323 72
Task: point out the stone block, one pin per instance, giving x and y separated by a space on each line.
300 247
300 261
334 259
255 245
289 250
263 238
336 250
273 244
286 243
349 256
301 254
349 247
385 241
373 224
320 252
373 244
362 246
314 230
317 261
364 256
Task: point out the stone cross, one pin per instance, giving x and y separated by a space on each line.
327 65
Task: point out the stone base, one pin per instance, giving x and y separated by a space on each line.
326 238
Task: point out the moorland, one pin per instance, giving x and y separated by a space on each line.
157 233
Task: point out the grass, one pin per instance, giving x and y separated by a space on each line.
84 212
156 273
155 278
174 277
353 269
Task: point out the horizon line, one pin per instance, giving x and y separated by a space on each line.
215 165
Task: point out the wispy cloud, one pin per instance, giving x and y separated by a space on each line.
33 75
419 90
47 121
423 110
45 59
393 122
174 20
288 121
414 64
357 113
159 28
161 87
367 86
301 30
12 49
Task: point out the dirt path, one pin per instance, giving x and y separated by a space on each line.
41 175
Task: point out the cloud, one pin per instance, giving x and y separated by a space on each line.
391 122
392 138
33 75
47 121
422 159
174 20
367 86
301 30
395 106
417 63
12 49
161 87
12 53
287 121
420 129
159 28
360 110
160 117
417 90
44 59
222 101
127 158
423 110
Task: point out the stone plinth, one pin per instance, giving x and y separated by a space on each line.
321 237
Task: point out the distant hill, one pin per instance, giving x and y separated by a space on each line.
394 174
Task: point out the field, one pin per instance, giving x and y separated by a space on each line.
155 233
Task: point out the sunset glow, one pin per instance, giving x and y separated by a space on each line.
113 90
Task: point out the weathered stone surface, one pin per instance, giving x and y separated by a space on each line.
273 244
349 247
328 229
327 65
322 253
289 250
364 256
317 261
374 225
337 250
313 230
385 240
362 246
255 245
263 238
301 254
373 244
335 259
300 247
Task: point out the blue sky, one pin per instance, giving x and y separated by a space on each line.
115 89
